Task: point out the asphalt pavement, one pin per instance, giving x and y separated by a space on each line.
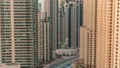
65 63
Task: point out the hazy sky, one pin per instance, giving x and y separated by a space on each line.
42 1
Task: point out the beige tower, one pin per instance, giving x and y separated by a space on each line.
88 43
107 33
85 44
105 25
116 25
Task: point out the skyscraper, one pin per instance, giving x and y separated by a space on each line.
47 5
106 19
61 23
18 32
44 37
68 22
80 11
40 43
71 20
115 23
50 9
55 23
108 32
79 20
89 30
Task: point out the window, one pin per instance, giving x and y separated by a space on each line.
117 18
117 45
117 22
117 30
118 7
118 3
117 26
117 11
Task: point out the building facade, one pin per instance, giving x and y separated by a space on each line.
105 49
62 24
88 34
67 22
50 7
47 5
18 32
71 8
73 19
108 32
44 37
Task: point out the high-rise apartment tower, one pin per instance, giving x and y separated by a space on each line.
18 32
105 48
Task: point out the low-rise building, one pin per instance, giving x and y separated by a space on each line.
66 52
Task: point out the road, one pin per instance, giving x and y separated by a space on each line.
66 66
65 63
